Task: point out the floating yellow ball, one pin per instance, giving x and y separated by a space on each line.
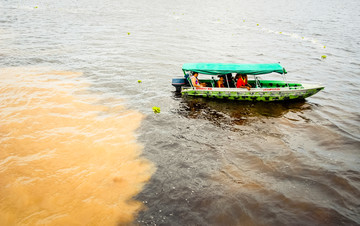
323 57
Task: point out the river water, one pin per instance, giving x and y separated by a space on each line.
80 144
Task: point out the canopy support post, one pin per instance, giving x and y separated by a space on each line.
257 82
227 81
190 82
188 78
286 82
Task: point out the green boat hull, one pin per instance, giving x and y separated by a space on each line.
255 94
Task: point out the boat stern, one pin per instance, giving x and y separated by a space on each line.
178 83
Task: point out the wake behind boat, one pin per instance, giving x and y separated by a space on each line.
261 90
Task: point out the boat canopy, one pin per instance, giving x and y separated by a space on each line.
218 68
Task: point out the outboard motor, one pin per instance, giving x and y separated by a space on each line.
178 83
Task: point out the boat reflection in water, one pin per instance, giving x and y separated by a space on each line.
230 113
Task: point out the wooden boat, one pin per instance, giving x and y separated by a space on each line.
262 90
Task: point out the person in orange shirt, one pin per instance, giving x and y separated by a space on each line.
242 81
220 82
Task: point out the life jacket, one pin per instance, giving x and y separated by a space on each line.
241 82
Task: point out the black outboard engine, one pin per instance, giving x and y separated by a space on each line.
178 83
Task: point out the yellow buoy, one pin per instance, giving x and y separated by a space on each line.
156 109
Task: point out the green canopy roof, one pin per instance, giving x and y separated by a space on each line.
217 69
